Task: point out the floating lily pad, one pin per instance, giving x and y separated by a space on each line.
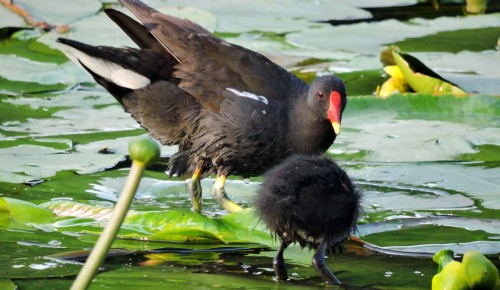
170 225
25 212
32 49
60 11
423 128
369 38
476 183
361 82
9 22
28 162
12 116
453 41
23 70
28 87
484 153
413 236
7 284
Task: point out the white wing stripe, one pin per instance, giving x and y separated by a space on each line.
249 95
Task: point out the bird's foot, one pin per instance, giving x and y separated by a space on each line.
318 262
279 265
195 191
220 195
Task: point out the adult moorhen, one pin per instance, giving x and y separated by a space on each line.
312 201
228 108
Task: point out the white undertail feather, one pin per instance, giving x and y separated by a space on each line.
109 70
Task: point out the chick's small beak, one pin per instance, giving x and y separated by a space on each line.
334 111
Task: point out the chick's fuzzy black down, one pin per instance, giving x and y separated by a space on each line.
306 199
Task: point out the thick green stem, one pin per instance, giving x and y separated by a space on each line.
107 236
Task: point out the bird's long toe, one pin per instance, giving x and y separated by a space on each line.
220 196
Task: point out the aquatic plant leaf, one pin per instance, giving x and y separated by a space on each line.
44 162
453 41
32 49
4 214
60 11
7 284
45 73
25 212
416 236
477 187
361 83
28 87
168 225
371 38
9 22
395 84
418 127
37 267
256 231
425 84
196 258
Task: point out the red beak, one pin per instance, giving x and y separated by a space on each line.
334 111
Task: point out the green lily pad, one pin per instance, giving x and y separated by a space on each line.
44 73
361 82
370 37
37 267
8 18
28 87
33 50
9 22
171 225
478 39
409 128
7 284
110 34
27 162
278 16
476 183
484 153
413 236
25 212
60 11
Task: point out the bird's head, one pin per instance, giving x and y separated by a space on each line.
327 96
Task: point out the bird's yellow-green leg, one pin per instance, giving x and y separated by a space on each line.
195 189
219 194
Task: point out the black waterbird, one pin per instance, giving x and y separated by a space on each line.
312 201
229 109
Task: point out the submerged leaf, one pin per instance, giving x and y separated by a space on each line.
26 212
169 225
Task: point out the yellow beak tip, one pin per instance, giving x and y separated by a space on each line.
336 128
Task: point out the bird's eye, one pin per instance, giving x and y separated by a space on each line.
321 95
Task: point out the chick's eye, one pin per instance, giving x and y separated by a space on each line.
321 95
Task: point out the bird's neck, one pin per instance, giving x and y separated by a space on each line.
308 132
